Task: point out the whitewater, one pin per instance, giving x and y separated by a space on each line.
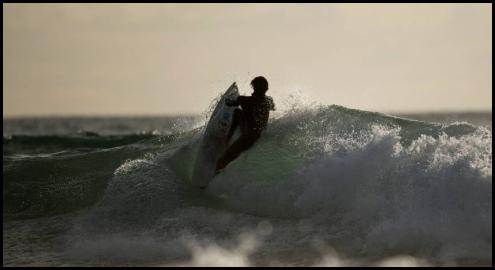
324 185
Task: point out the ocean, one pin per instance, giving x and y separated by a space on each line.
324 186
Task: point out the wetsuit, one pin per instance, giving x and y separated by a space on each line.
252 118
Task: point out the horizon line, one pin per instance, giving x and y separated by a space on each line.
143 115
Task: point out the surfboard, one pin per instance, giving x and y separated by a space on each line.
214 140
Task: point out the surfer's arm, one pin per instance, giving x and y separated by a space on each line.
235 102
271 103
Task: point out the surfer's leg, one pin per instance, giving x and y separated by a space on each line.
231 153
236 121
239 146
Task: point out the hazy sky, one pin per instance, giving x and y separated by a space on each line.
126 59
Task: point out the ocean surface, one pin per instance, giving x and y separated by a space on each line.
325 185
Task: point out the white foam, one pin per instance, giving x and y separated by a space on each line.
357 189
433 196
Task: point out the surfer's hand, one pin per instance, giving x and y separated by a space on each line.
230 102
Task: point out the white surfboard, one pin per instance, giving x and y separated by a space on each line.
214 141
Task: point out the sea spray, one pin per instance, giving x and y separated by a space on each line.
324 185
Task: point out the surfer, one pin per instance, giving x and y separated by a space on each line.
252 119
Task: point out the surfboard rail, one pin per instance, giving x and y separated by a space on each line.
214 140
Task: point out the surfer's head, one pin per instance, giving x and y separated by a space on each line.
260 85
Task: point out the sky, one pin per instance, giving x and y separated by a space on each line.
163 59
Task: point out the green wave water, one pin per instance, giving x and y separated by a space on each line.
370 185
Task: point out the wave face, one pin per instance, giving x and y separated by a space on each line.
367 185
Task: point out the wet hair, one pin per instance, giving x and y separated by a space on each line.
259 84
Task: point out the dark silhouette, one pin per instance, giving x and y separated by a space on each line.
252 118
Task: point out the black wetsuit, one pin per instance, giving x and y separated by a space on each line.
252 120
